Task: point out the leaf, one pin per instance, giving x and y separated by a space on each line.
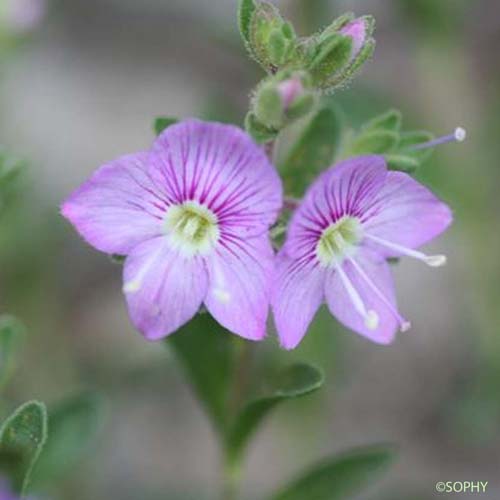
374 142
339 477
22 437
313 151
245 12
409 139
390 120
204 348
295 381
73 425
11 332
10 167
403 163
163 122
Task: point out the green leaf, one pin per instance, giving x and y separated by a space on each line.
374 142
313 150
339 477
73 425
10 167
204 349
293 382
333 55
268 107
266 19
11 333
409 139
260 133
163 122
390 120
22 437
403 163
245 12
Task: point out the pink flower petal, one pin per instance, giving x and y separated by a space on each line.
297 295
239 288
405 213
341 305
221 167
347 188
118 207
163 289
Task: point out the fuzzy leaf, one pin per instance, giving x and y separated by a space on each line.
268 107
204 349
259 132
265 20
390 120
293 382
11 332
245 12
333 54
313 150
22 437
73 425
401 162
374 142
339 477
409 139
163 122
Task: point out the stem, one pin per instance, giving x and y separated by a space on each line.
231 471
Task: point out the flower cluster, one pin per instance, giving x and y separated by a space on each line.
193 218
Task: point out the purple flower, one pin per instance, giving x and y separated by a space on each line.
192 215
21 16
354 217
359 32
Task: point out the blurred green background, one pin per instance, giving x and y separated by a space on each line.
84 87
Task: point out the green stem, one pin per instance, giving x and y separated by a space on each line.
231 470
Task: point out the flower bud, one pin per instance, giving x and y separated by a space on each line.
358 31
340 50
282 99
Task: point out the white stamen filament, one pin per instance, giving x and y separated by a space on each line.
458 135
430 260
371 317
404 325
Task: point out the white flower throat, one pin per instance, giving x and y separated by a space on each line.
192 228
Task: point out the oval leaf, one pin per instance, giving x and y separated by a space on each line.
11 333
314 150
73 426
204 348
295 381
341 476
22 437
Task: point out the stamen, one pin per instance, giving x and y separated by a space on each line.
430 260
404 325
371 317
458 135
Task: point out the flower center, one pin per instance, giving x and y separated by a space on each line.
339 241
191 227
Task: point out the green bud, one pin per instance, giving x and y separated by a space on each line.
331 56
268 106
302 106
259 132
